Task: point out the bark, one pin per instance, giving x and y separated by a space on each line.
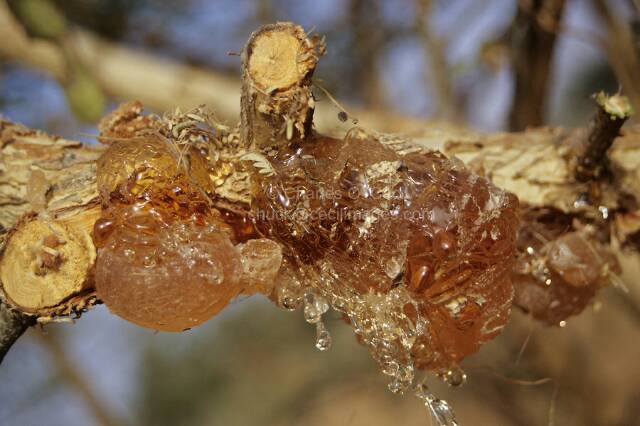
539 167
277 103
591 159
536 165
47 188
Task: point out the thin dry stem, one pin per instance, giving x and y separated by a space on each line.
604 128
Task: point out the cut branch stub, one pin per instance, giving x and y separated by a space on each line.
46 264
48 196
277 103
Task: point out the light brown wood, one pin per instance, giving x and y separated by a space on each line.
49 204
273 63
47 261
39 172
277 104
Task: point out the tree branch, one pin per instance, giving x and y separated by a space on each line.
532 47
277 103
532 164
161 84
47 184
48 189
12 325
438 72
604 128
122 72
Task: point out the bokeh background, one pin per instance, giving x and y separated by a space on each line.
401 65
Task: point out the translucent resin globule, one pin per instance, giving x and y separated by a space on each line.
166 258
559 270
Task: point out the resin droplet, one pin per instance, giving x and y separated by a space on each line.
323 337
147 160
439 409
287 299
576 260
402 376
170 280
454 376
314 307
396 386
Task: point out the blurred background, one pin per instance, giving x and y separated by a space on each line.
400 65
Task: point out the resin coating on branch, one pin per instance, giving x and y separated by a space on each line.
413 249
166 258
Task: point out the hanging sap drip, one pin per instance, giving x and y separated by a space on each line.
439 409
411 248
323 337
314 307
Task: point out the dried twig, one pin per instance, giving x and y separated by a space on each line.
604 127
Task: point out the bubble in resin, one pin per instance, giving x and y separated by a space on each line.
261 259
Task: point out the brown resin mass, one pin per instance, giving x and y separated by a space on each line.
558 272
415 250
